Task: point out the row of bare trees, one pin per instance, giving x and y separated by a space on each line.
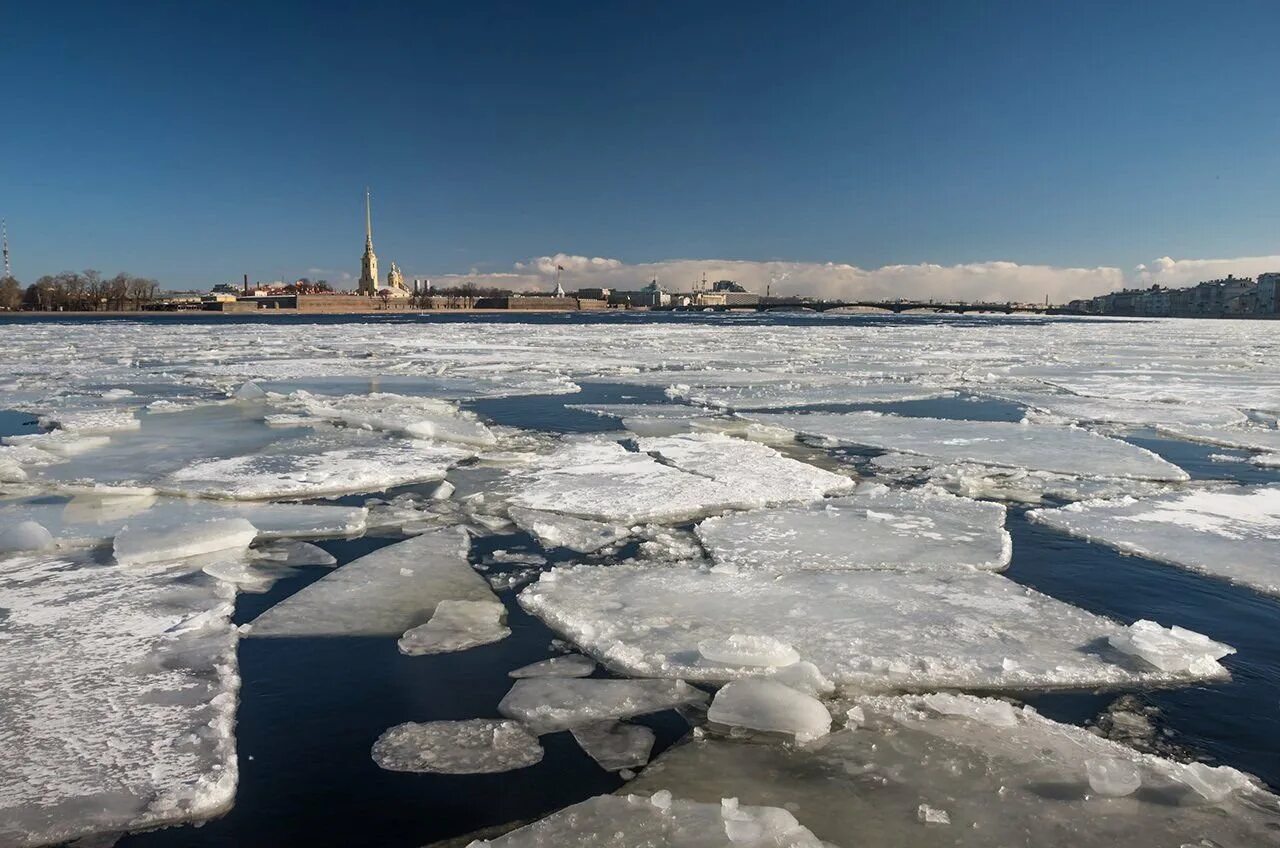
454 297
85 291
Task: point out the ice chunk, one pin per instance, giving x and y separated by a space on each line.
477 746
372 596
249 391
305 468
932 815
668 543
648 411
1173 649
812 391
1245 438
615 745
548 704
413 417
570 665
876 527
882 630
457 626
633 821
1026 784
1113 778
136 545
295 554
1213 783
564 531
769 706
985 710
90 419
1039 447
1074 408
1230 532
757 472
748 649
25 536
119 699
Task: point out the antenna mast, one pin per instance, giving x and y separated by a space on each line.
4 235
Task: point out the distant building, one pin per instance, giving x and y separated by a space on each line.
1269 293
651 297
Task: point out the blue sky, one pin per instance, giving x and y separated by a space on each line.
194 142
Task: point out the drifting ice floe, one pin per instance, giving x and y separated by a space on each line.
876 527
1230 532
383 593
805 393
570 665
477 746
119 697
412 417
615 745
878 630
633 821
1039 447
772 707
548 704
457 626
605 482
136 546
564 531
645 411
1084 410
1002 775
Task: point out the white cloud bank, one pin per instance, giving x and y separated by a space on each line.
995 281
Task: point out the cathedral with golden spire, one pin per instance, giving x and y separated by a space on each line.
369 262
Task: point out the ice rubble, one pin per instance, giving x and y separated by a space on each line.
310 467
748 650
876 527
25 536
770 706
565 531
457 626
1026 782
633 821
615 745
1037 447
548 704
878 630
1170 649
383 593
1082 410
476 746
136 545
412 417
1231 532
119 699
603 481
809 392
569 665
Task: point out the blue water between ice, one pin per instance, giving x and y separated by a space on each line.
311 708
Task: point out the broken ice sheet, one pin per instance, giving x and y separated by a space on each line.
565 531
1039 447
1019 780
1229 532
384 593
633 821
661 411
569 665
814 391
1075 408
457 626
136 545
412 417
877 630
119 698
476 746
548 704
615 745
772 707
876 527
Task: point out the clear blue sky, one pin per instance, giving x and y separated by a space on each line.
197 141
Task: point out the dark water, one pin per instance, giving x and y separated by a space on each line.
311 708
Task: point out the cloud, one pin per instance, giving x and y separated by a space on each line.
1184 272
994 281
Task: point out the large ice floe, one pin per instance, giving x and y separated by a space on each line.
385 593
876 527
117 698
475 746
708 473
939 770
1039 447
809 392
1230 532
634 821
548 704
870 630
412 417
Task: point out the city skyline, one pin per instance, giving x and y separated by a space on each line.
818 151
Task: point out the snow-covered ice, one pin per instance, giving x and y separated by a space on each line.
876 527
565 531
770 706
412 417
475 746
384 593
809 392
1230 532
1039 447
749 650
1173 649
660 821
457 626
119 699
548 704
875 630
